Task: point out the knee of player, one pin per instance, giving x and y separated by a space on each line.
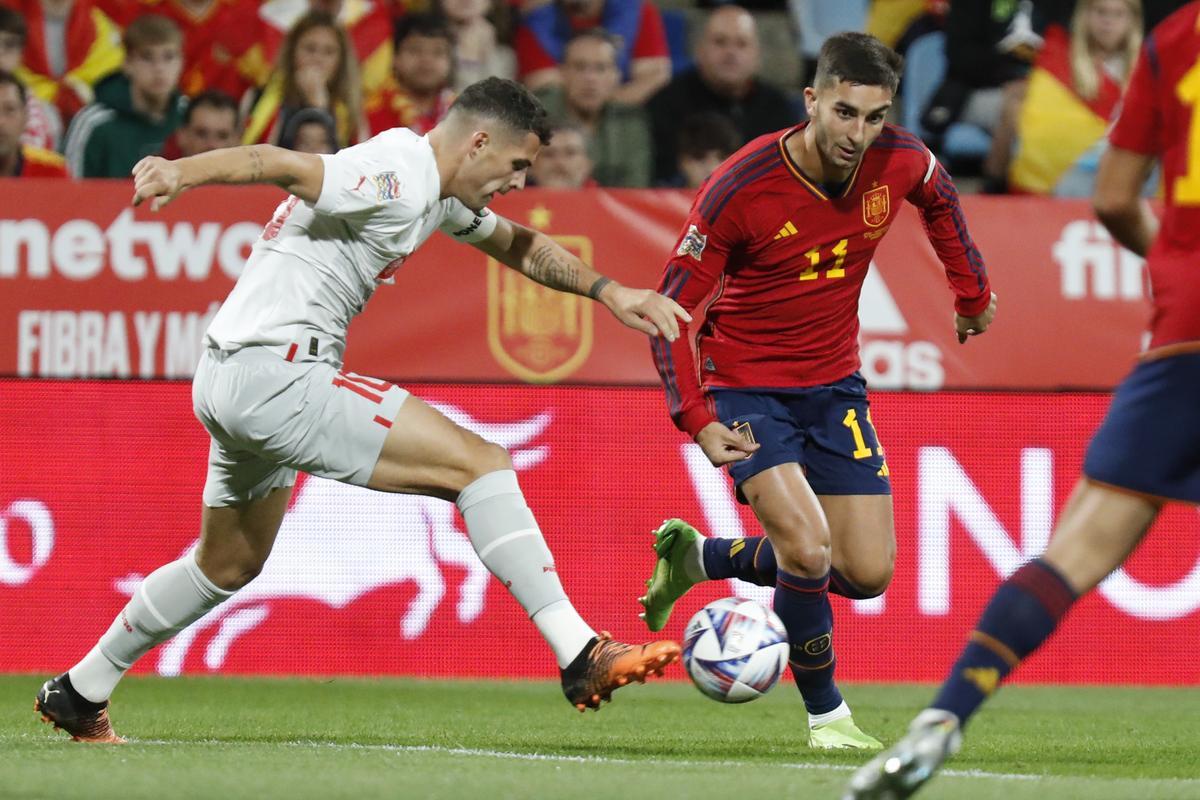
233 574
870 579
488 457
806 556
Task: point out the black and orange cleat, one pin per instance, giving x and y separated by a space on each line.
605 665
68 710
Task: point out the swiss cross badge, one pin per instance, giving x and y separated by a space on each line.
876 206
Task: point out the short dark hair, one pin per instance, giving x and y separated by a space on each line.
506 101
858 58
9 78
431 26
12 22
599 35
213 98
151 30
705 131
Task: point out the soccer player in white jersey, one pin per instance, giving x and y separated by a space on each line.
270 390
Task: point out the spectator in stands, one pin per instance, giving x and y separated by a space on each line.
705 140
71 45
210 123
1074 91
19 160
310 130
316 70
564 163
642 55
618 134
218 36
477 52
723 81
420 94
136 109
43 126
817 20
368 25
989 50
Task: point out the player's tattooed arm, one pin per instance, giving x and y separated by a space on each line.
161 181
540 258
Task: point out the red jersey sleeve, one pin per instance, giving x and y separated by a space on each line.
651 40
1138 122
936 200
691 273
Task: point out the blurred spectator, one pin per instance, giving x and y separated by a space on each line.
817 20
43 123
477 53
705 140
218 36
367 23
727 58
989 50
310 130
618 134
71 45
19 160
1074 90
564 163
210 123
893 21
136 109
316 70
642 56
420 93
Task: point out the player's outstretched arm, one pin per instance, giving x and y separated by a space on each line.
160 181
541 259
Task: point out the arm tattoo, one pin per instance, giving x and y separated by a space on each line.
548 269
598 287
256 168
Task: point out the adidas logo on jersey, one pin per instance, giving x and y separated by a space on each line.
787 230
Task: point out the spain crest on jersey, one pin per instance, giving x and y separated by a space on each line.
538 334
876 206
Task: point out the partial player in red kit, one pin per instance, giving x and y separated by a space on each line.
1147 450
782 235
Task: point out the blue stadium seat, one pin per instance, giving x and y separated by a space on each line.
924 70
675 25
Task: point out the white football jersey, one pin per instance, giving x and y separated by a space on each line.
315 267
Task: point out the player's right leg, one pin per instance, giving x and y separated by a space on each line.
426 453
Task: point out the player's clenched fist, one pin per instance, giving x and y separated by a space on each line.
645 310
973 326
723 446
156 179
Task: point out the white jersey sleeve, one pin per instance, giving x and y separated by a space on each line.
357 181
465 225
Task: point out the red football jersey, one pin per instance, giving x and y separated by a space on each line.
1160 116
788 261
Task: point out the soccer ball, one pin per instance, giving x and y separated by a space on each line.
734 650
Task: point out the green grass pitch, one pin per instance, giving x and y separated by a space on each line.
343 738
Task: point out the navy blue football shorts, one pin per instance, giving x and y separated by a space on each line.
1149 442
827 430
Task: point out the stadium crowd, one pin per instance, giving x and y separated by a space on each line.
1015 93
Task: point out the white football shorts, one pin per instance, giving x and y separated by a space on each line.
270 417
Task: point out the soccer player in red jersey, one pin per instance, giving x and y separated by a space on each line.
783 233
1147 450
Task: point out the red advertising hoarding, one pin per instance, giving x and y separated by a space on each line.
90 287
100 483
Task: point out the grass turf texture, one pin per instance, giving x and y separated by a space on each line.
233 738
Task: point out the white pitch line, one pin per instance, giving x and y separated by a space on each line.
566 759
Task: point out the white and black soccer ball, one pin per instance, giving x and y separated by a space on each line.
735 650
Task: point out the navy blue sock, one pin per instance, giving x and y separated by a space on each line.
1021 615
803 606
752 559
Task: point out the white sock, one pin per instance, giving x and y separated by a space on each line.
693 561
840 712
167 601
509 543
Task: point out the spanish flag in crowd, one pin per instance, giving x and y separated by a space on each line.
1058 128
